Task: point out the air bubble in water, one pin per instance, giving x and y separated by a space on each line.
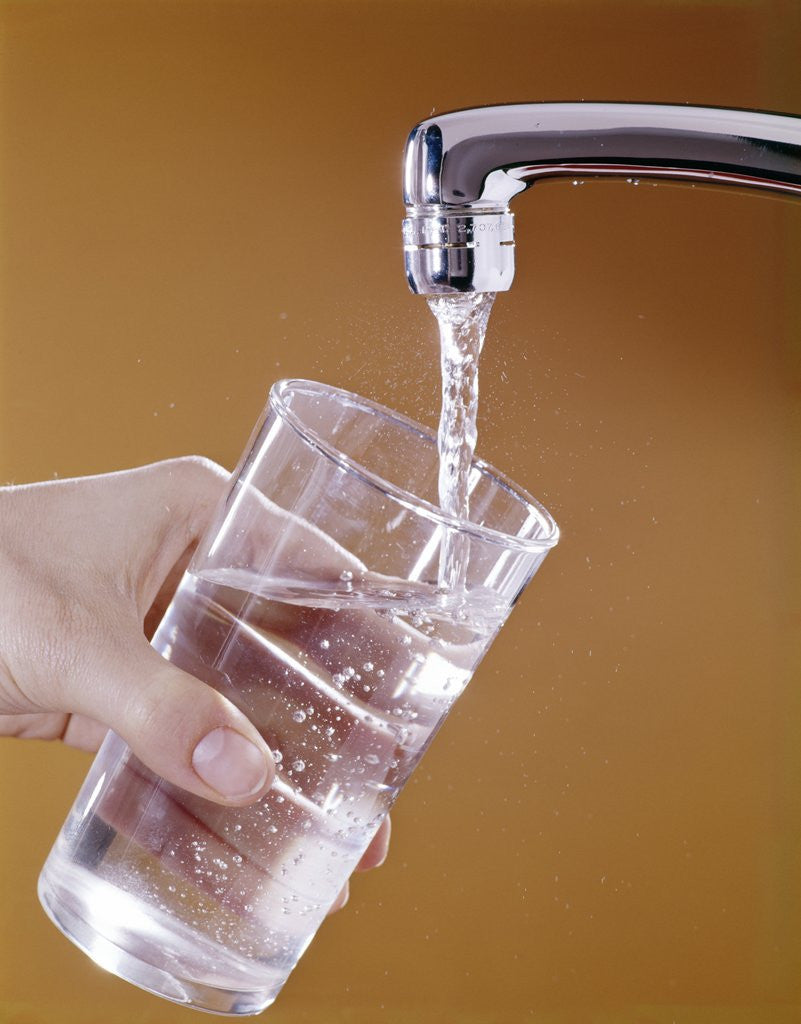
298 716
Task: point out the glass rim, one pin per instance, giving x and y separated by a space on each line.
278 394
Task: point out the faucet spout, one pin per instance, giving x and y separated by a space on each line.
461 170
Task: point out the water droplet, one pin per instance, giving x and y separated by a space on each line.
368 666
299 716
299 765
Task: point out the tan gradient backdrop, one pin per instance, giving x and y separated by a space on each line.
199 198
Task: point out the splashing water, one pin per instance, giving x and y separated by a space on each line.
462 319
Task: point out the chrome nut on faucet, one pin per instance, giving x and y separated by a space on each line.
462 169
448 251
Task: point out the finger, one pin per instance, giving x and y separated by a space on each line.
182 496
166 592
180 728
47 725
84 733
341 899
75 730
376 853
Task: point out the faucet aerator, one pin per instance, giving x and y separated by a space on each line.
447 251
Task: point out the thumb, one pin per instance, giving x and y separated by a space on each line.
179 727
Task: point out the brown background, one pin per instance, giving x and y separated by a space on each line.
199 198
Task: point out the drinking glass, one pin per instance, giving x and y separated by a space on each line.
313 604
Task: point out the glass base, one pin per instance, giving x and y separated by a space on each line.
64 913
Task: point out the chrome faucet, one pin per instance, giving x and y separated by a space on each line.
461 169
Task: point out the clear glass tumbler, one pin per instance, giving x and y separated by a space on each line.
313 604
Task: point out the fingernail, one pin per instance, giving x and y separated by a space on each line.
231 764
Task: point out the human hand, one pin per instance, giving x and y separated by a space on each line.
87 568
